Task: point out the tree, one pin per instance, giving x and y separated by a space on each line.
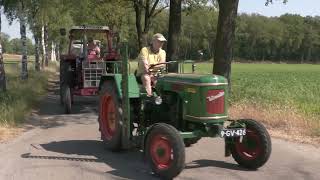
228 10
18 10
35 28
39 14
225 35
3 84
174 33
151 9
16 46
5 42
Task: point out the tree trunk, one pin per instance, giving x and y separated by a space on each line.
53 52
225 37
309 52
58 51
302 58
138 9
146 23
24 60
43 49
37 52
174 33
46 45
3 84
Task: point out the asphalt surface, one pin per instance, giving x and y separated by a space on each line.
63 147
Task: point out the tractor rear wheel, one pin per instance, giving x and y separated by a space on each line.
65 77
254 150
67 99
110 115
164 150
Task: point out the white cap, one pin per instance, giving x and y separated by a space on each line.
159 37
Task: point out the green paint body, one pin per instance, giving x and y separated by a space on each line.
193 89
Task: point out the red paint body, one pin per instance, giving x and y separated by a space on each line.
75 34
215 101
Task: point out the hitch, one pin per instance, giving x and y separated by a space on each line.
227 151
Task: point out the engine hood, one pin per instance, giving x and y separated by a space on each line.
194 79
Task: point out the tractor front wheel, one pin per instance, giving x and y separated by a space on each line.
110 115
164 150
254 149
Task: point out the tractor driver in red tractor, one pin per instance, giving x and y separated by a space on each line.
93 48
148 56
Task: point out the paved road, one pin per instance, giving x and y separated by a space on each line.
63 147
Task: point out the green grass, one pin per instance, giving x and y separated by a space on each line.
297 86
21 96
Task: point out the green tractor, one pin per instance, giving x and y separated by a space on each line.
184 109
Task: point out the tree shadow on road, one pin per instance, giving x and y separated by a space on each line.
50 113
82 104
128 164
51 104
213 163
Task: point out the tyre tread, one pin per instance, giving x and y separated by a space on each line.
266 143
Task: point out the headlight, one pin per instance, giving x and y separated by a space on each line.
158 100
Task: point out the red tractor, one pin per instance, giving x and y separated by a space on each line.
82 67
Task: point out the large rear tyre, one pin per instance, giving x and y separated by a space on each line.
110 116
67 99
65 78
255 148
164 150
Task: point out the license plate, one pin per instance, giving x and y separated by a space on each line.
235 132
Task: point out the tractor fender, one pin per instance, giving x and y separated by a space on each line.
134 91
111 78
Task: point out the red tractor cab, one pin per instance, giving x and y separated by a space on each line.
92 52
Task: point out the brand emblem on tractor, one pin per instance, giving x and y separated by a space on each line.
214 97
191 90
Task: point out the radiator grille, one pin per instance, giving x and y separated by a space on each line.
92 72
215 101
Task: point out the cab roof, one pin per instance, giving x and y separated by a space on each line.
89 28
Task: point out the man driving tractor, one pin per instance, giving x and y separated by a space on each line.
93 48
149 56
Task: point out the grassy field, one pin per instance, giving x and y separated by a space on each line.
21 96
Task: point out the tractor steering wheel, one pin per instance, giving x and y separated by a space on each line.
161 70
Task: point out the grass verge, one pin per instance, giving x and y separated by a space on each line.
21 96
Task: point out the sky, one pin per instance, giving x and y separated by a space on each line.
302 7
